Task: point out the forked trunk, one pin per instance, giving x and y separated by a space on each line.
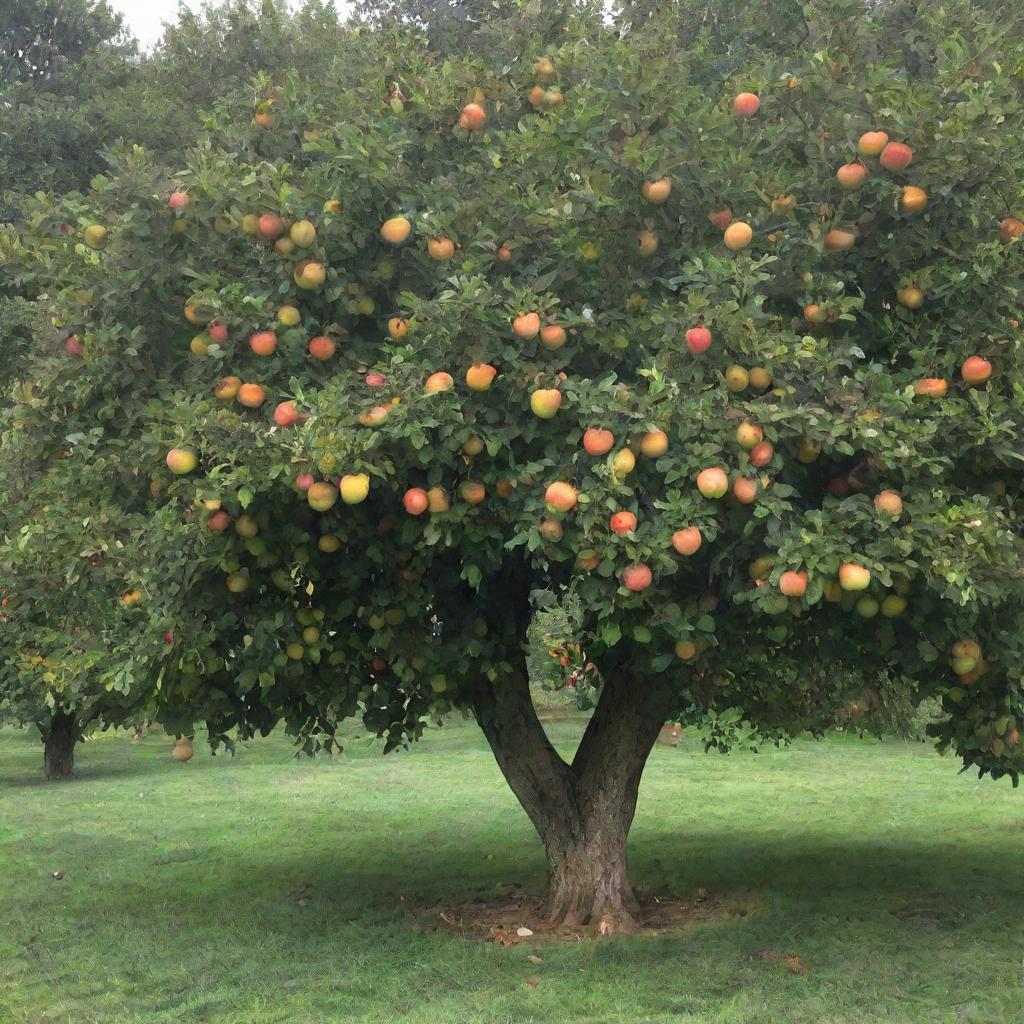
59 739
582 811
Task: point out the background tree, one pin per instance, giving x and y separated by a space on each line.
314 403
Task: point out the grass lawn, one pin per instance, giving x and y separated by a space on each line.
260 889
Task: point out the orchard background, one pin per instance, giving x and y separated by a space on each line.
705 320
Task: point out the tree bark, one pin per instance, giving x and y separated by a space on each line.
582 811
59 740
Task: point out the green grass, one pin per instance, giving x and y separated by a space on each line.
897 881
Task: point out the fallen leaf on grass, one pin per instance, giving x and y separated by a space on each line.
523 933
447 918
532 982
606 925
502 937
792 962
535 960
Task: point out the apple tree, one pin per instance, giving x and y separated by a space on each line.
728 353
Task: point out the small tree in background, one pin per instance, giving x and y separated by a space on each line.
734 353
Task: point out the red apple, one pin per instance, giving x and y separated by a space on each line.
598 441
285 415
793 584
479 376
622 523
561 496
217 331
698 340
415 501
637 577
270 225
851 176
761 454
721 217
436 382
889 503
712 482
73 346
263 343
744 490
896 156
304 481
375 380
321 347
219 521
526 325
746 104
473 117
975 371
872 143
749 435
931 387
687 541
178 200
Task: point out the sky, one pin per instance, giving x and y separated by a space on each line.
145 18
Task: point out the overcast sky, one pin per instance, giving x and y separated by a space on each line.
144 18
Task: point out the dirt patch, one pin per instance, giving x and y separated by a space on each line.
518 917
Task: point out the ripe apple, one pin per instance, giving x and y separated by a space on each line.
588 559
437 500
535 97
561 496
473 117
479 376
912 297
552 336
622 523
736 379
526 326
737 236
889 503
1010 228
270 225
398 327
623 462
838 485
321 496
698 340
839 240
712 482
304 481
375 380
415 501
637 577
218 521
815 314
686 650
503 254
354 487
975 371
872 143
252 396
647 243
286 415
654 444
310 274
744 490
72 345
395 230
896 156
687 541
472 493
303 233
218 331
656 192
376 416
793 584
598 441
721 217
913 199
851 176
179 200
440 248
761 454
746 104
853 576
553 98
545 402
263 343
551 530
439 381
181 461
749 435
931 387
760 378
321 347
544 69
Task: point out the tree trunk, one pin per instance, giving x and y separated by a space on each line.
59 740
581 811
